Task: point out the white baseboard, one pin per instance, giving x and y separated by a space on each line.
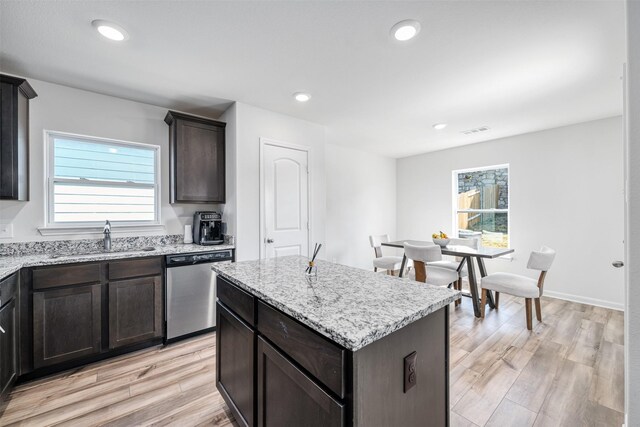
585 300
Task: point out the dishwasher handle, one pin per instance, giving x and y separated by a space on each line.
199 258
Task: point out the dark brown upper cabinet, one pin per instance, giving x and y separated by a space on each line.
15 94
196 159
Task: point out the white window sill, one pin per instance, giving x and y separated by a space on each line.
58 230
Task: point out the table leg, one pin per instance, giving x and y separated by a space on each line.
473 287
459 271
403 265
461 266
483 273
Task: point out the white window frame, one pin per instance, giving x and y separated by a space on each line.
54 228
454 198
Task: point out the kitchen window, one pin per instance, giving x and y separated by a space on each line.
91 180
481 204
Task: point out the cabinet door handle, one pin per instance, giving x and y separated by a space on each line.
2 330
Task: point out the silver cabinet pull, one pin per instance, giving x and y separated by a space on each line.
2 330
617 264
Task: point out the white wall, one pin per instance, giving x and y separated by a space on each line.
632 312
361 200
566 192
251 124
64 109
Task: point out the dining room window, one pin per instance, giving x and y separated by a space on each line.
91 180
481 204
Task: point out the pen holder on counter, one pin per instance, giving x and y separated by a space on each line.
312 270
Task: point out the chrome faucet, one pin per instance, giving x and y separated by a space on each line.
107 236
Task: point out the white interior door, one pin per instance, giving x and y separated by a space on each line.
286 201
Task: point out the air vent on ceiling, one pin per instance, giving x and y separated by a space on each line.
476 130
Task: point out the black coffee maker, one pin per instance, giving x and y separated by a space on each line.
208 228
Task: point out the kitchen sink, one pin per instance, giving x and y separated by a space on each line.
88 254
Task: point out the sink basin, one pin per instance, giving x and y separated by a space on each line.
87 254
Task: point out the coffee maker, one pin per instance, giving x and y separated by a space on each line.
208 228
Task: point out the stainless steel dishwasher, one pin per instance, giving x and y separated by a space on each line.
191 292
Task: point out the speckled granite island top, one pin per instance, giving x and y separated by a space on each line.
351 306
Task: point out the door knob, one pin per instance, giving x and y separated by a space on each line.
617 264
269 240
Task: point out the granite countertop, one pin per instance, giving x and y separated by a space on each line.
350 306
11 264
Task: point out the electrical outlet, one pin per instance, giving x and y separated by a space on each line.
410 374
6 231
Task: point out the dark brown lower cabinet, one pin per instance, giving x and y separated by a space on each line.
67 315
235 364
288 397
135 310
66 324
8 346
275 371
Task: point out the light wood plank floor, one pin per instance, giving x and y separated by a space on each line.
567 371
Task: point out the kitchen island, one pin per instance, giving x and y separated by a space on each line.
349 347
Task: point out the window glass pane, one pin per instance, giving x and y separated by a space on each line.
491 227
480 193
76 159
85 202
484 189
93 181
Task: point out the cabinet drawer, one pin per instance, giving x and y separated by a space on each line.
322 358
51 277
135 268
239 301
8 288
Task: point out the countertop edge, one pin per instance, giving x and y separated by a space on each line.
15 264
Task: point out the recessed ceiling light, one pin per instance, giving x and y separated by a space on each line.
110 30
301 96
439 126
405 30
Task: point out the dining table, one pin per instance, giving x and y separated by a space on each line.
467 255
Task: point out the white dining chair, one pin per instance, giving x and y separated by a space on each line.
453 265
389 263
423 270
521 286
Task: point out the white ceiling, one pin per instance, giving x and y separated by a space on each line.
516 66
